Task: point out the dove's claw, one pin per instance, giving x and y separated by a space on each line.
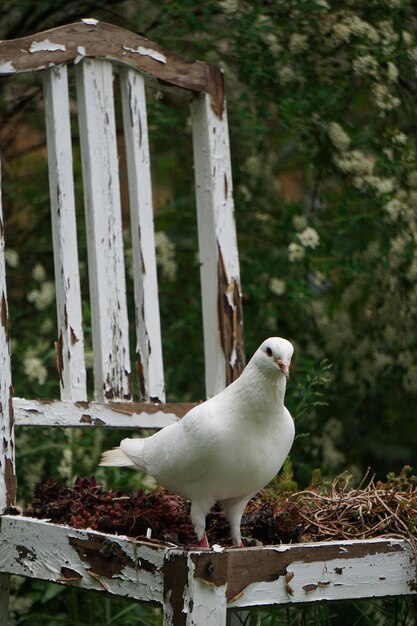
203 543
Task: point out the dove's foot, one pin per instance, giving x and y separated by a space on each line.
203 543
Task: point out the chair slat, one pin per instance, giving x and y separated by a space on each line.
70 345
7 459
117 414
219 260
104 229
149 345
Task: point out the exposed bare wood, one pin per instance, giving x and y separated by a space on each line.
98 414
110 324
100 40
70 344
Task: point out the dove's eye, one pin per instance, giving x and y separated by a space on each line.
268 351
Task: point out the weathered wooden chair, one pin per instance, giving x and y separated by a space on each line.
193 587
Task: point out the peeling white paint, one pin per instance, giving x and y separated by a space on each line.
70 344
6 67
46 46
147 52
208 601
233 358
216 227
216 548
110 325
38 549
385 573
64 414
81 54
148 325
90 21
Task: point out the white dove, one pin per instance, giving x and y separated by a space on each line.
225 449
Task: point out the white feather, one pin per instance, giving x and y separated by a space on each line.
116 457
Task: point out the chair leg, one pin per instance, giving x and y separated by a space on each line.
188 599
4 598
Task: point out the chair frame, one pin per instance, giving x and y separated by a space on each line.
194 587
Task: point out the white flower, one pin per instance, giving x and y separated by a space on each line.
230 6
385 100
253 165
354 162
412 54
12 257
407 37
39 272
399 138
365 65
277 286
352 25
392 72
395 208
165 254
388 34
286 74
44 296
339 137
35 369
381 185
299 222
309 238
295 252
273 44
298 43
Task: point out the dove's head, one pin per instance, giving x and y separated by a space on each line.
274 355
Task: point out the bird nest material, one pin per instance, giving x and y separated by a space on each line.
328 511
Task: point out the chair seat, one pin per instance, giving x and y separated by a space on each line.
197 585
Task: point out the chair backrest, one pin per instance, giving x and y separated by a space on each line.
98 51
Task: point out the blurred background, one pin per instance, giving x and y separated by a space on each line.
321 103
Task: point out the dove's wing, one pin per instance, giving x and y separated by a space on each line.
182 453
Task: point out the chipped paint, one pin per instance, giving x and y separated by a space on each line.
110 325
70 343
149 360
7 67
148 52
7 463
94 561
229 311
219 260
81 52
107 41
87 414
46 46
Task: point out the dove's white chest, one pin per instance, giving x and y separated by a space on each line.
255 457
239 461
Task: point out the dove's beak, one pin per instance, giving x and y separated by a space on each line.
284 366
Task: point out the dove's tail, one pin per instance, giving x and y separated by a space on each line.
116 457
129 454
